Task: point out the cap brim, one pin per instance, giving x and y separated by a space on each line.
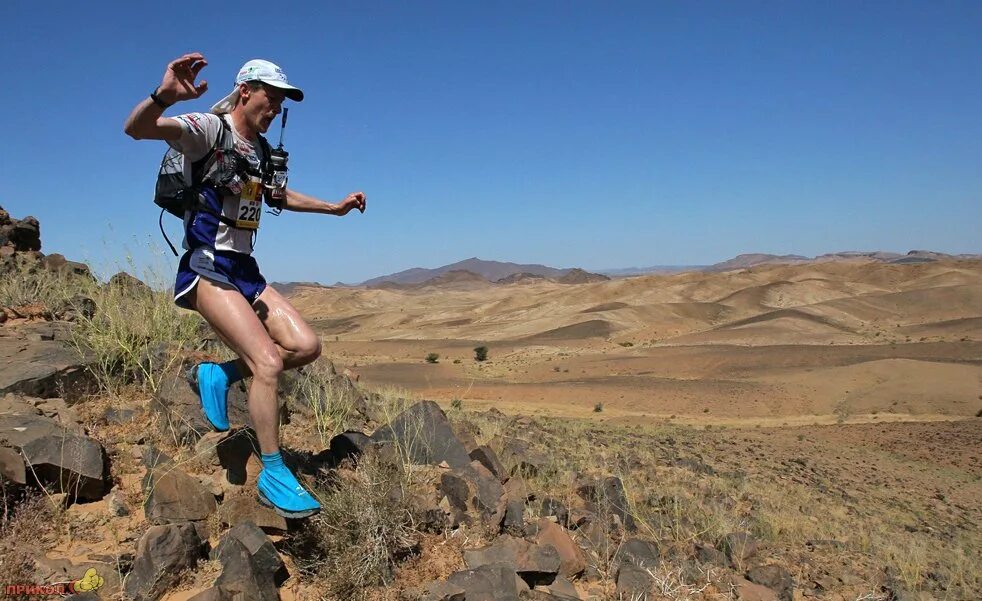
295 94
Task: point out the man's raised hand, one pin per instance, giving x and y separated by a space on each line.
355 200
178 83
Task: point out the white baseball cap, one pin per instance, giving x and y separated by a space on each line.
257 70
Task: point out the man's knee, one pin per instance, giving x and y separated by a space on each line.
310 349
267 365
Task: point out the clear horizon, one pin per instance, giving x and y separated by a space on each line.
568 134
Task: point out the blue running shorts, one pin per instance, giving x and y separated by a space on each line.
235 269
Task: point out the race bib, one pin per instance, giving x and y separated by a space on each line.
250 205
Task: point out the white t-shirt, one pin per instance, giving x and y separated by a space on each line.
198 136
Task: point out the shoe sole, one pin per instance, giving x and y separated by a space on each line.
284 513
191 375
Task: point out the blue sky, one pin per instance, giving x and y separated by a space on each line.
587 134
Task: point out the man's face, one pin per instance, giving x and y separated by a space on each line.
261 105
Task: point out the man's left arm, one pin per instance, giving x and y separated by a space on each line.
302 203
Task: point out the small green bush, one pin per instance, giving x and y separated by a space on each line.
597 408
481 353
433 358
457 404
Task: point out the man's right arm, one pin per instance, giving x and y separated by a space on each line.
146 121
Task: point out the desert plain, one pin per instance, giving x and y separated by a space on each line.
824 343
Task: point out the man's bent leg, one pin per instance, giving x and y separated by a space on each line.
235 322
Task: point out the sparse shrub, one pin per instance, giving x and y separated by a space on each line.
331 402
363 529
978 413
481 353
456 361
134 336
457 404
598 407
433 358
556 369
626 343
47 290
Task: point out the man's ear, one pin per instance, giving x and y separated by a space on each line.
244 92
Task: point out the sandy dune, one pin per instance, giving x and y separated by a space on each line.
850 340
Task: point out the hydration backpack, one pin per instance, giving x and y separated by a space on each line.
176 195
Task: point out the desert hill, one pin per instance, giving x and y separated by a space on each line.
821 339
489 270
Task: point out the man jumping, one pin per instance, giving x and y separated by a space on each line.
217 276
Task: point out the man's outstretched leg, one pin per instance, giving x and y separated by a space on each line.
228 312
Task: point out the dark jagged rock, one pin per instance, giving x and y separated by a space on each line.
443 591
487 583
242 579
609 495
161 555
243 509
556 508
775 578
634 582
424 433
41 368
641 553
535 563
739 547
72 463
514 520
262 553
349 445
130 284
489 459
572 562
520 458
173 496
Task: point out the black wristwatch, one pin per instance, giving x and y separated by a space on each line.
156 99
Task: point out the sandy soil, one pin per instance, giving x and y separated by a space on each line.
833 342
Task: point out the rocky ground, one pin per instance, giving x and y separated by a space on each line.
130 495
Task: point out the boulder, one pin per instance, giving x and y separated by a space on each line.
241 578
173 496
561 590
443 591
739 547
487 583
71 463
161 555
489 459
424 434
634 582
262 554
572 562
349 445
775 578
641 553
41 368
518 456
748 591
245 508
535 563
608 495
555 508
514 520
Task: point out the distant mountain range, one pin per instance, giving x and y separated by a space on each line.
476 272
491 271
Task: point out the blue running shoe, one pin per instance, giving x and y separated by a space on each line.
279 490
211 384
